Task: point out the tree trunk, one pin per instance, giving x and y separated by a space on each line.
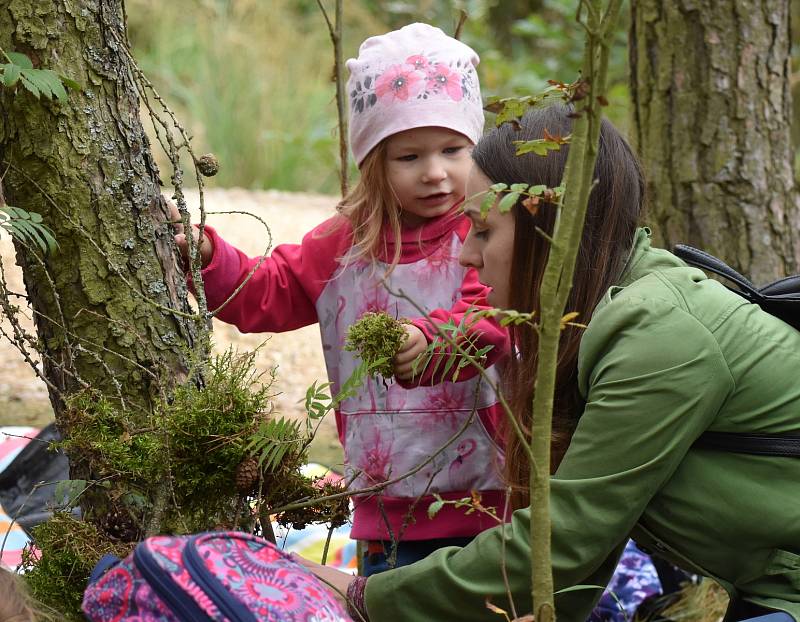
105 301
711 121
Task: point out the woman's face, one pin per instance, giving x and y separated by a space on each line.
490 242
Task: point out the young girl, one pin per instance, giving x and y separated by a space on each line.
415 114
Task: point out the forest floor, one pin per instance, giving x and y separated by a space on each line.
297 354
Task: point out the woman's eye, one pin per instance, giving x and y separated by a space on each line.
482 234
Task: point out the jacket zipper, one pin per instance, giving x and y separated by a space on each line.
170 592
227 603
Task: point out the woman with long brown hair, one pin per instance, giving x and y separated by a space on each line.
667 355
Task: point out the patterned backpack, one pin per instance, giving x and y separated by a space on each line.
219 576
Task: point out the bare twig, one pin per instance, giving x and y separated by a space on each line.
335 32
462 18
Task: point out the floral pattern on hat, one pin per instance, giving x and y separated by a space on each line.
420 77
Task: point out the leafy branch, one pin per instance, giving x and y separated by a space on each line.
557 282
273 440
27 227
534 194
512 109
39 82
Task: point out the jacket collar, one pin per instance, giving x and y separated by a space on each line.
644 259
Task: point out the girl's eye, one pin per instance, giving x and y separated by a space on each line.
452 150
408 158
482 234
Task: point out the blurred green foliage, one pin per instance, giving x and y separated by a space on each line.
251 80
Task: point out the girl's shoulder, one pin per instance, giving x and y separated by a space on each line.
334 234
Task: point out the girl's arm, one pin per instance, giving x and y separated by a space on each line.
654 379
481 331
281 294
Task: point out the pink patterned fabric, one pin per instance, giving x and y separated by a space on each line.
413 77
246 573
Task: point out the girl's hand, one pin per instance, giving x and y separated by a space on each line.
336 579
414 345
206 246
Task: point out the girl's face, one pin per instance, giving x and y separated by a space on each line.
490 242
427 168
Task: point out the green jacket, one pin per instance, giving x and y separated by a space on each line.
667 355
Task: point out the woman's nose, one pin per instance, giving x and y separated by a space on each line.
469 257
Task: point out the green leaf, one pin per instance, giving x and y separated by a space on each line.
27 227
508 201
537 190
512 109
20 59
487 203
11 74
578 588
70 83
499 187
30 86
519 187
273 440
39 80
435 507
135 500
68 490
53 81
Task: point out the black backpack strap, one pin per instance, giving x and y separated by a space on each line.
786 445
781 299
709 263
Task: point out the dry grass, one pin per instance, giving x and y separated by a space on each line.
705 602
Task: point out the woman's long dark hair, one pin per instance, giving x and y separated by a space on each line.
613 213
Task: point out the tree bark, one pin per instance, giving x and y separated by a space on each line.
105 302
711 120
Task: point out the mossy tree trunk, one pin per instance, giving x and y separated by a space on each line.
711 121
105 302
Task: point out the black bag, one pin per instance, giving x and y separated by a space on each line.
781 299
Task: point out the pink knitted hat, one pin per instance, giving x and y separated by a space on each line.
413 77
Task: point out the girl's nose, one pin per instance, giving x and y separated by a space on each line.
434 171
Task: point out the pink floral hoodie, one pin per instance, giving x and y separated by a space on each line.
387 430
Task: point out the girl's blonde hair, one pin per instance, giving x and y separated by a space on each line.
367 206
14 603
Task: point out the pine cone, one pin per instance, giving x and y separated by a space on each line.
247 474
208 165
119 525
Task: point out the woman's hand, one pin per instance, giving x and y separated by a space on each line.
415 344
206 246
336 579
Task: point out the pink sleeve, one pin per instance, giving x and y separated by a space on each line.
282 293
484 332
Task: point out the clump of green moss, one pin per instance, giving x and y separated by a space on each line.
57 568
207 430
192 443
377 338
